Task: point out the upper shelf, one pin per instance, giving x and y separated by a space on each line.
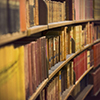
36 29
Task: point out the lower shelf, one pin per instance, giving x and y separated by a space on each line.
84 93
67 92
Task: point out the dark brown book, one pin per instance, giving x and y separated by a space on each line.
17 16
39 59
11 15
4 17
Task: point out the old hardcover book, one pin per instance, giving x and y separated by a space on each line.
69 10
11 15
71 73
50 12
26 71
34 65
76 38
31 12
59 84
65 43
49 52
54 49
30 70
22 15
88 59
68 75
39 59
36 12
47 3
4 17
81 39
27 14
58 49
17 18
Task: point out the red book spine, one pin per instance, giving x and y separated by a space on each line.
74 68
45 61
30 70
39 59
26 71
33 57
78 66
85 60
94 55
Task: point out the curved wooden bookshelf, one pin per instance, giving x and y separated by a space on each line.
58 67
67 60
67 92
39 89
36 29
11 37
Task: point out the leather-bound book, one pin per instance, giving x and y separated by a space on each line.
30 70
22 15
4 17
26 71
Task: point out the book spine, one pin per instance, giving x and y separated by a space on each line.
59 84
68 75
30 70
3 15
26 71
22 15
31 13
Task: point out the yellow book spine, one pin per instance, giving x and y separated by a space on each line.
59 84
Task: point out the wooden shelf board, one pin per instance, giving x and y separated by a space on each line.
84 93
67 92
40 28
11 37
36 29
64 23
39 89
97 93
59 24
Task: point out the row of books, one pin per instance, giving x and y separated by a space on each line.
62 81
18 15
94 79
54 88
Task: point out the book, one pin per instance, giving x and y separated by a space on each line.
4 17
22 15
88 59
31 12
